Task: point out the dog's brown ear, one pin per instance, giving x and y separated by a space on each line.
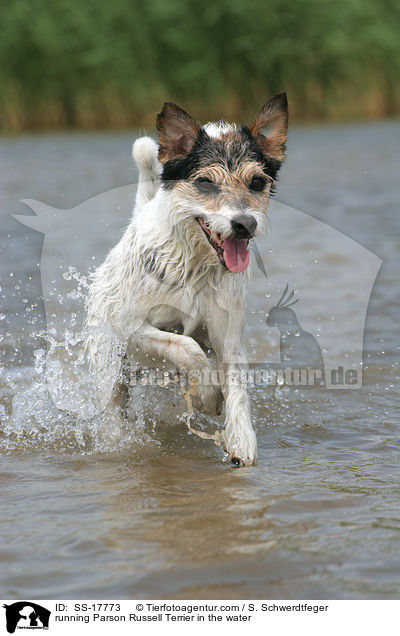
269 128
177 132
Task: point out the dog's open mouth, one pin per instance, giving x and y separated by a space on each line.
232 253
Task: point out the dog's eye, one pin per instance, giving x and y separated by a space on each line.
257 184
206 185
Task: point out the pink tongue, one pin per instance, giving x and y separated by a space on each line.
236 254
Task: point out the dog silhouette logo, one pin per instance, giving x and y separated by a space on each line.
298 348
26 615
76 241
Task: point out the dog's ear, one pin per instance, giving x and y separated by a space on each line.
177 132
269 128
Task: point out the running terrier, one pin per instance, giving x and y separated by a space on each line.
180 268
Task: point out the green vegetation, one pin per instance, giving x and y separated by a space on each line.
97 63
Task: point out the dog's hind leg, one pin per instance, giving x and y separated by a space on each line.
106 360
144 152
120 394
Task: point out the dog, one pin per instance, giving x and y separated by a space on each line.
181 266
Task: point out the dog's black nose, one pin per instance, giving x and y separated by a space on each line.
243 226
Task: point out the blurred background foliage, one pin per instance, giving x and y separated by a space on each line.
111 63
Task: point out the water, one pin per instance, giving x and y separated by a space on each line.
149 510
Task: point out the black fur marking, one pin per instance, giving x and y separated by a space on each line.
207 150
270 165
181 169
149 262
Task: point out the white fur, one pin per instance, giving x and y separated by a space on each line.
144 152
186 284
217 130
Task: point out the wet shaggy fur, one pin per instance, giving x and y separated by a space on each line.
174 285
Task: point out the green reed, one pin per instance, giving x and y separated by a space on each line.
111 63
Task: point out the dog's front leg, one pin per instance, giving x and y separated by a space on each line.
186 355
239 436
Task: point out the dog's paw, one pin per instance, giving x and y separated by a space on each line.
241 445
208 399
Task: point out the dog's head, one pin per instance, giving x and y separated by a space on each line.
220 176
